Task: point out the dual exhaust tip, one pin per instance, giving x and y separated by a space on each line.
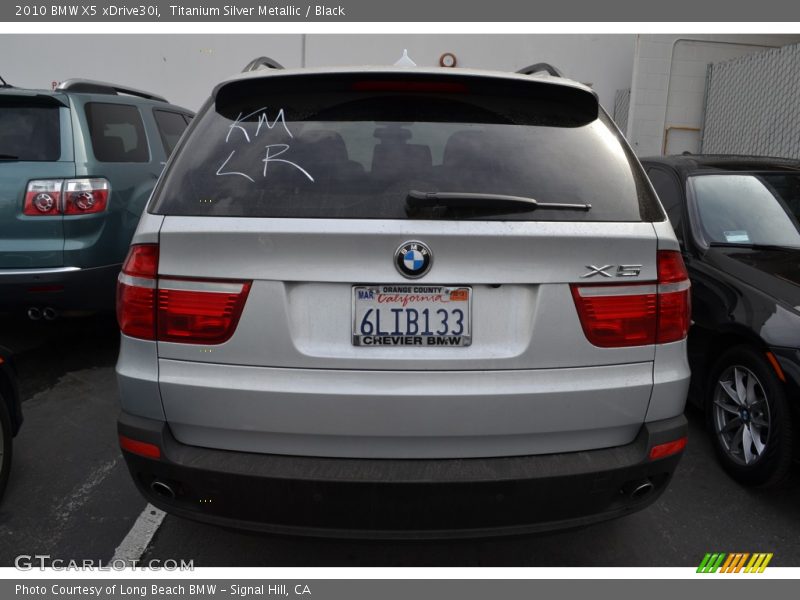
47 313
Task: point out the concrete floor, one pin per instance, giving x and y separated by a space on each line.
70 494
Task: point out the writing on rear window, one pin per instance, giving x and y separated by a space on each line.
329 147
245 131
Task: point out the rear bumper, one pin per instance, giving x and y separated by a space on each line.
394 498
63 288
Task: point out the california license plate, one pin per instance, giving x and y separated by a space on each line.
411 315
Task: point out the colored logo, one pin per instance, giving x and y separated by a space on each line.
737 562
413 259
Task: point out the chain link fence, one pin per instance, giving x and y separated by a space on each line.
622 104
753 105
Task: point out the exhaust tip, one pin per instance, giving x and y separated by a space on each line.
163 489
50 313
34 314
641 489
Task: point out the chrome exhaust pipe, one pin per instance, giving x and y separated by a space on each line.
34 314
163 489
641 489
50 313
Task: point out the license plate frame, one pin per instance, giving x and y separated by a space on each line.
460 296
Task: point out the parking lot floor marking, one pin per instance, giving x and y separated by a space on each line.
138 538
75 500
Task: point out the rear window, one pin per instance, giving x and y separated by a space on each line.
117 132
171 126
353 148
29 131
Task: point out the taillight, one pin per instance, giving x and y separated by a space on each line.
674 302
621 315
46 197
199 312
43 198
187 311
84 196
136 292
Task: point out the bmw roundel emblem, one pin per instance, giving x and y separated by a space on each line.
413 259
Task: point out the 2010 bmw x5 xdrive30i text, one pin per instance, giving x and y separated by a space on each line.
403 302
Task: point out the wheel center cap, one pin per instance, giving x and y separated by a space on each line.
745 415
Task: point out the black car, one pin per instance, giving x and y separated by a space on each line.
10 414
736 218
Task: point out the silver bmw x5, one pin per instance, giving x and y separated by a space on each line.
402 302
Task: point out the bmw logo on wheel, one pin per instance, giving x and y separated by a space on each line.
413 259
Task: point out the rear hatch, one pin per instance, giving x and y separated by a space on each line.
35 145
401 287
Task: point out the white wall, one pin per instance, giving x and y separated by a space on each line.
668 87
184 67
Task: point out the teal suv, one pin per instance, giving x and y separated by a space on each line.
77 165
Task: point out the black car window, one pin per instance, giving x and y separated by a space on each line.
117 132
743 209
355 149
28 130
787 187
666 186
170 126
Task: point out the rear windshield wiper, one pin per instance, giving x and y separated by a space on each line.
751 246
8 157
480 201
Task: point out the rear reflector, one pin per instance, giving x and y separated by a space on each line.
668 449
622 315
185 311
141 448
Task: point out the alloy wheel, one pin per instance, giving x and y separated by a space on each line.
741 415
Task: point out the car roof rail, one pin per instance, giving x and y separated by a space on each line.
262 62
539 67
88 86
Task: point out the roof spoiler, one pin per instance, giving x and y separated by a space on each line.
88 86
262 62
541 67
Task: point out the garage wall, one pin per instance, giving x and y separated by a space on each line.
184 67
753 105
669 81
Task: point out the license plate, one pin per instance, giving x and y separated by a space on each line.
411 315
